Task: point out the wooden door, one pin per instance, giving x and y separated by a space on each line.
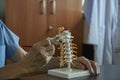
32 19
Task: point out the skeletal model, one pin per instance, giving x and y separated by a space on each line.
67 48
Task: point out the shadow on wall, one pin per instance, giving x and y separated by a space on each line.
2 9
88 51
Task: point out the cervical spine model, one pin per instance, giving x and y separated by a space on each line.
64 39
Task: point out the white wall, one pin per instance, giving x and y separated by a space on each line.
85 32
85 28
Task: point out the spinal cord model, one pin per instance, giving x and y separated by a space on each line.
67 49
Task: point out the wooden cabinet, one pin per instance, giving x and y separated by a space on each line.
32 20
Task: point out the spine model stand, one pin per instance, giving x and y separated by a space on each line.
67 47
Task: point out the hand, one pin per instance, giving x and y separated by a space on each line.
83 63
39 55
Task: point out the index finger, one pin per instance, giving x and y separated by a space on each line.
45 43
95 67
86 62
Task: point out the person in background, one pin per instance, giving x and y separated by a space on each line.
39 58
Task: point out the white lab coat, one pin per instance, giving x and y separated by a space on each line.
102 19
116 39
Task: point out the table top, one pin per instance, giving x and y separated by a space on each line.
107 72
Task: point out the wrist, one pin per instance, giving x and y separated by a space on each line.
24 68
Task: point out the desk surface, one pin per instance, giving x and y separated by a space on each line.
108 72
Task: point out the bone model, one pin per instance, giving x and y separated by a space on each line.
64 39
